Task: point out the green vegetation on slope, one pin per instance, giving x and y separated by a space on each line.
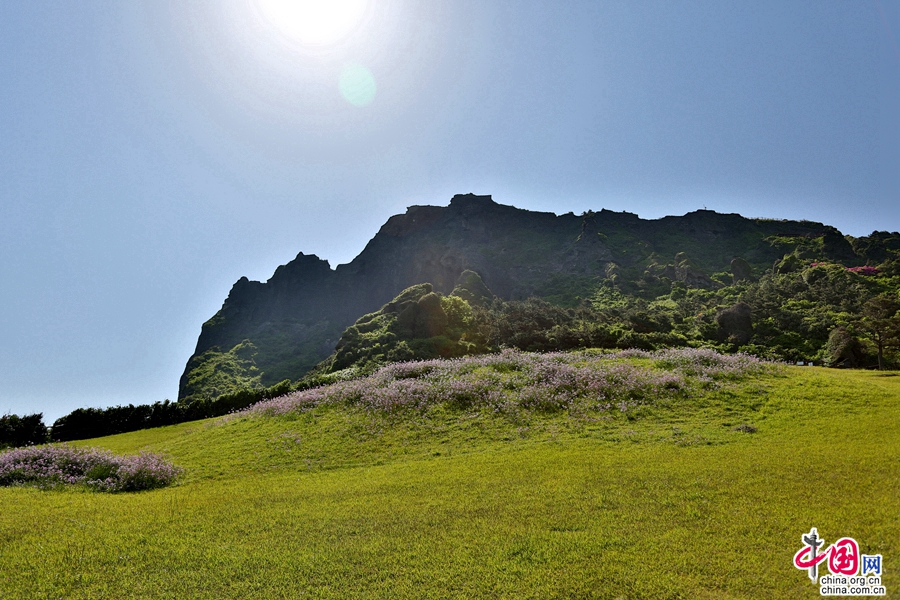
295 317
808 307
572 262
215 372
821 312
418 323
668 500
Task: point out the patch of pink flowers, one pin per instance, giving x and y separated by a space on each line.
59 465
866 270
514 379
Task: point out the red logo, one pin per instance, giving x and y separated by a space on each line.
843 555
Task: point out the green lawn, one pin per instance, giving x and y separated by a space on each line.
663 502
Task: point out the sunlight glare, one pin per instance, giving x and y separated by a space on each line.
357 85
314 22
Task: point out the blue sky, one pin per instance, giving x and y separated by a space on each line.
153 152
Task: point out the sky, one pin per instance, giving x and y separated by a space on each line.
153 152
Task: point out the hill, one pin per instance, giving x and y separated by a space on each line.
649 283
699 490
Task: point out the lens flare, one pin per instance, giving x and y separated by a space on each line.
314 22
357 85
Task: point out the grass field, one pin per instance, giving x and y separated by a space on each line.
664 501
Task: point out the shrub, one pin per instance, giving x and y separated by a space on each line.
100 470
865 270
26 430
843 349
85 423
512 380
708 364
735 324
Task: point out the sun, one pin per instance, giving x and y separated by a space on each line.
314 22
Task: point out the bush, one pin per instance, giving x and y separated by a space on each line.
26 430
735 324
99 470
843 349
513 380
86 423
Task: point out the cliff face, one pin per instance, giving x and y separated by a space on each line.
295 318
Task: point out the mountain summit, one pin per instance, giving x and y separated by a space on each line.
280 329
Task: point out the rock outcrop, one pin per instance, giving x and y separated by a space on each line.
295 318
741 270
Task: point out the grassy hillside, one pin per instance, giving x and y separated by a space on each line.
668 499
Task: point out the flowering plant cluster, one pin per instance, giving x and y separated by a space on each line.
866 270
100 470
514 379
706 364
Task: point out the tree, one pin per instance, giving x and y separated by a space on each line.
880 322
843 349
26 430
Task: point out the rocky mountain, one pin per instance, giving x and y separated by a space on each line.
280 329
